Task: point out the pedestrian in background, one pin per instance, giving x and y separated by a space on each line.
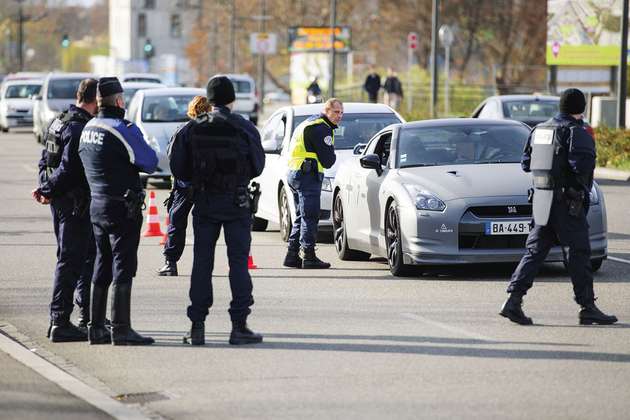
312 150
180 201
63 185
561 155
372 84
113 152
220 154
393 90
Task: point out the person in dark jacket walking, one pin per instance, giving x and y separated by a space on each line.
113 152
372 84
393 90
63 185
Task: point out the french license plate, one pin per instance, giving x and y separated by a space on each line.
507 228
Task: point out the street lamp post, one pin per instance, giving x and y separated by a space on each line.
446 38
434 76
623 69
333 24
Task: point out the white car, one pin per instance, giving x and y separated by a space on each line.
158 113
360 122
141 77
59 90
130 89
16 105
246 102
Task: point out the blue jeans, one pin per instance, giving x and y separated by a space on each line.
307 189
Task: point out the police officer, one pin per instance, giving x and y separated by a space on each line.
312 150
220 154
63 185
561 156
179 203
113 152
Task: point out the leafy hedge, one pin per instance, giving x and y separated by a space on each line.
613 148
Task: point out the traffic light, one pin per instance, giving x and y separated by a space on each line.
65 41
149 51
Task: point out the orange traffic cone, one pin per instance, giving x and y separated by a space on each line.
165 237
250 262
153 220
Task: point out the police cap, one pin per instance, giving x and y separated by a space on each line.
108 86
572 101
220 90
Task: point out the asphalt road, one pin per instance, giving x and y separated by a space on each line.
350 342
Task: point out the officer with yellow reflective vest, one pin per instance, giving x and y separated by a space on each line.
312 151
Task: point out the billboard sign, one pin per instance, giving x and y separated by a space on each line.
583 32
318 38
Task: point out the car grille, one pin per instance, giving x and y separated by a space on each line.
481 241
502 211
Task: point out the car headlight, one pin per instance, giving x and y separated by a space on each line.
327 184
426 201
152 141
594 196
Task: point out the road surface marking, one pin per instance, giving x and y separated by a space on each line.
621 260
68 382
447 327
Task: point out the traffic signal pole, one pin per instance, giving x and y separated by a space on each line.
333 24
622 85
434 40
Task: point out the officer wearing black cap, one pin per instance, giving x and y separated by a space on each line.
561 156
113 152
63 185
220 153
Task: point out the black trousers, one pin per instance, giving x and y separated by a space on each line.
568 231
178 222
211 213
75 259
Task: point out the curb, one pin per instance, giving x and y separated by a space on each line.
612 174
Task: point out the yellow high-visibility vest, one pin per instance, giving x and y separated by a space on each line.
298 152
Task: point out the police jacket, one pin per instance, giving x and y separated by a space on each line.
178 136
316 135
185 161
113 152
579 156
60 168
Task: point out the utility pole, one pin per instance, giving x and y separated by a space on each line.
261 56
333 24
434 40
233 38
20 35
623 69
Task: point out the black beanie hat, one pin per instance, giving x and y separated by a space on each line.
108 86
572 101
220 91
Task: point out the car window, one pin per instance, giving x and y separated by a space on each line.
465 144
21 91
356 128
63 88
166 108
381 147
242 86
489 111
529 110
128 94
142 79
270 128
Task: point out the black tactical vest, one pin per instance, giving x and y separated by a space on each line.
220 161
54 144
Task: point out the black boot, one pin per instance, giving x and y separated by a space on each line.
293 259
311 261
84 317
590 314
122 333
243 335
512 309
98 333
169 269
63 331
197 334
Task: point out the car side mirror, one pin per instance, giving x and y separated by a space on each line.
372 161
271 146
359 148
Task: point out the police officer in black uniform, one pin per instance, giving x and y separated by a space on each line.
63 185
113 153
561 156
220 154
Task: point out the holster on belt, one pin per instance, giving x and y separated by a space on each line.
254 196
575 201
134 202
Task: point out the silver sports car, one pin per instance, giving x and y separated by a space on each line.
439 192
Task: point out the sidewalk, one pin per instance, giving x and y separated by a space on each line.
612 174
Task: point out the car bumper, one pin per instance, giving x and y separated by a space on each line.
19 121
457 235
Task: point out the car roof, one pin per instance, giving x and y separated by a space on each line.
348 108
146 75
142 85
505 98
70 76
164 91
23 82
239 76
458 122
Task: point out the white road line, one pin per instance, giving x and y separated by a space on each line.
29 168
68 382
447 327
621 260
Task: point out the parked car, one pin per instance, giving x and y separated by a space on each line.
439 192
141 77
246 102
16 104
59 90
360 122
158 113
130 88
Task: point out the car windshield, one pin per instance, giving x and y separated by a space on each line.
63 88
128 94
461 144
242 86
21 91
356 128
530 110
167 108
142 79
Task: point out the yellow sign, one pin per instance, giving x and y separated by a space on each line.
318 38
